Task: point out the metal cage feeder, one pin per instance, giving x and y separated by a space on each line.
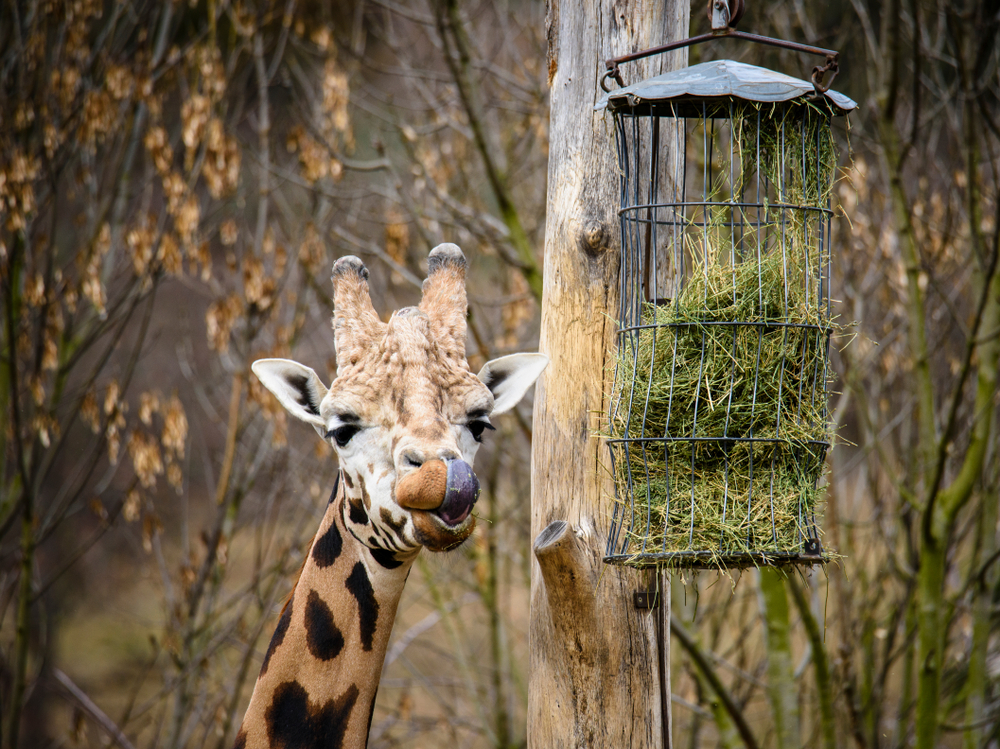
718 427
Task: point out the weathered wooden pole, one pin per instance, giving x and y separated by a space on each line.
599 666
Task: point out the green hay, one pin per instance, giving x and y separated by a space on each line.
689 376
783 136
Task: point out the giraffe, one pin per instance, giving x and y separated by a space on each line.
405 416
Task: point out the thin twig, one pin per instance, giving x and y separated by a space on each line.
452 32
688 643
91 708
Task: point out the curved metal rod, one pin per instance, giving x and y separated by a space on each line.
832 55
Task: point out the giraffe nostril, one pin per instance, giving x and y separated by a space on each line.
412 459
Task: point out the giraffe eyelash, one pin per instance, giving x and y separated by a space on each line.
343 434
477 428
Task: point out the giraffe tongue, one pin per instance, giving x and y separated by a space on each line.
461 493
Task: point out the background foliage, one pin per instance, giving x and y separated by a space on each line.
176 180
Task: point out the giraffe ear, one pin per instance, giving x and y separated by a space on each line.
297 388
509 378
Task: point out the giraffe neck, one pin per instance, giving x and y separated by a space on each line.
320 675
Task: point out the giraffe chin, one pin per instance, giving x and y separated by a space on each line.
435 534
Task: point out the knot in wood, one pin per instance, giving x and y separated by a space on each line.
593 238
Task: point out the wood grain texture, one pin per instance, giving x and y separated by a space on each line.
594 674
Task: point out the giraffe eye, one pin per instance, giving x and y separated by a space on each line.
478 427
343 434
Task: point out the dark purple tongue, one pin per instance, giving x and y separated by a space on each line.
460 494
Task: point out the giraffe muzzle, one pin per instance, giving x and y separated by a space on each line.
461 493
448 488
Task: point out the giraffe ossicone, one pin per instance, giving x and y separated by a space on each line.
405 416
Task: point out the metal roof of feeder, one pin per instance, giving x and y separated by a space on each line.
719 79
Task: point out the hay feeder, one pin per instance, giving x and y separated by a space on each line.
718 427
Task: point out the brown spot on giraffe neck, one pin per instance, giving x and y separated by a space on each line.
358 514
323 636
396 525
371 712
386 558
328 546
293 722
361 588
241 737
279 633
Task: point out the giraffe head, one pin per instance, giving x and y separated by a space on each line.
404 414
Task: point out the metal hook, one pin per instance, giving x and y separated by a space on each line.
613 72
832 66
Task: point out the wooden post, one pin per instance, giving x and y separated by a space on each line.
596 659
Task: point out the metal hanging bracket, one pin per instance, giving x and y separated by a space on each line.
725 14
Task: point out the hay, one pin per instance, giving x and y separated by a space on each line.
720 394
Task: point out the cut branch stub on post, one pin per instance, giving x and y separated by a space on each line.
570 574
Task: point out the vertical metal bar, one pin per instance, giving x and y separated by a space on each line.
800 524
629 301
774 530
649 496
637 173
807 272
726 448
753 409
694 433
739 193
683 201
781 381
617 511
678 233
732 196
650 201
706 153
757 199
629 532
627 437
784 336
829 249
653 331
708 142
623 278
663 661
784 221
666 444
764 238
803 372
